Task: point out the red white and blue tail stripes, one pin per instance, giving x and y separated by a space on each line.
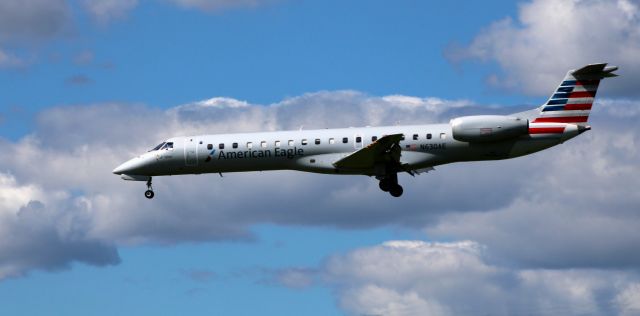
571 102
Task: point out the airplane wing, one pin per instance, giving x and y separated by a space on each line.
385 150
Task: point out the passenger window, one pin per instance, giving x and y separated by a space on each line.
443 135
332 141
317 141
277 143
429 136
249 145
291 142
415 136
209 146
263 144
304 142
358 139
234 145
374 138
402 138
345 140
221 146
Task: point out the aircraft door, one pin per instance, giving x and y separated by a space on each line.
190 152
358 141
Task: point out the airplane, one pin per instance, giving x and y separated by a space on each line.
381 152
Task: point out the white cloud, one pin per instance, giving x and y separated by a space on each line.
46 230
376 300
13 196
628 300
23 20
457 278
9 60
218 5
549 36
105 11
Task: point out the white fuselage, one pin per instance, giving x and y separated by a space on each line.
423 146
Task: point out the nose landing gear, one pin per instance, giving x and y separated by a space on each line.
149 193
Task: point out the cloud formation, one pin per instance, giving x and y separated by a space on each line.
219 5
22 20
9 60
457 278
550 36
528 224
105 11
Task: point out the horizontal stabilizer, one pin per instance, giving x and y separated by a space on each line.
595 71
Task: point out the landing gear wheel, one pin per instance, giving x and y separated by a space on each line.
384 185
149 193
396 191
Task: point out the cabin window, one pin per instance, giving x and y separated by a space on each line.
249 145
291 142
277 143
317 141
402 138
168 146
221 146
157 147
358 139
345 140
263 144
312 161
200 142
429 136
443 135
332 141
304 142
234 145
415 136
374 138
209 146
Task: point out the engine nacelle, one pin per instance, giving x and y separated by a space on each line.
488 128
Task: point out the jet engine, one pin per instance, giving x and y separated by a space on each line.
488 128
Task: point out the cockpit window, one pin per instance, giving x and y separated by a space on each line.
157 147
168 145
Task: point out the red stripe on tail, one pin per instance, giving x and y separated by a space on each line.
561 119
582 94
581 106
546 130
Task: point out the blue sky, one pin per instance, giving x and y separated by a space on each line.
163 56
87 84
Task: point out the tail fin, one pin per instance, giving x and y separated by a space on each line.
572 100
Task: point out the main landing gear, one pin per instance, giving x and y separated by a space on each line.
390 184
149 193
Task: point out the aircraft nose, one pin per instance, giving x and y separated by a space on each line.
129 167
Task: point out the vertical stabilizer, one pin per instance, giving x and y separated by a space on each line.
572 100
